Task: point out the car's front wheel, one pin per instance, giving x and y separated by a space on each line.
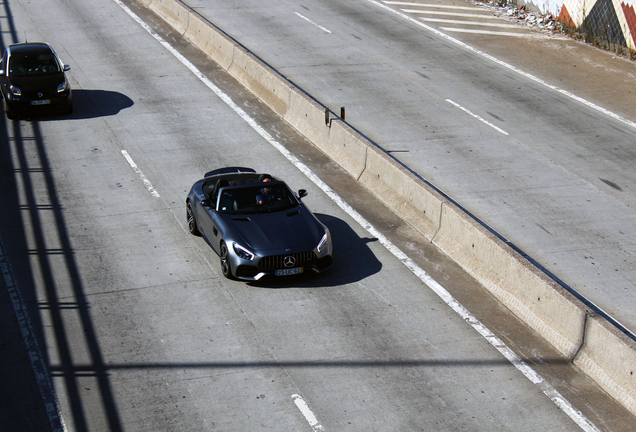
9 113
226 265
192 220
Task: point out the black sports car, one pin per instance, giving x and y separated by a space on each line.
32 80
257 225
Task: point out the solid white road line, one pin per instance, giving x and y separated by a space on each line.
430 5
457 14
470 23
492 33
497 343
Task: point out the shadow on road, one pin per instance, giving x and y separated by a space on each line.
98 103
33 240
89 104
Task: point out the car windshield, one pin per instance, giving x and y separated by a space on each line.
256 199
33 64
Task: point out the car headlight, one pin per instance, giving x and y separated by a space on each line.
241 252
15 91
324 242
62 86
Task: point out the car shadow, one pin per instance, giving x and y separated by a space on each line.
353 260
89 104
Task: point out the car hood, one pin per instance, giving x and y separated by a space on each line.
288 229
37 82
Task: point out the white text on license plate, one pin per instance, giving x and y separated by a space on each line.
291 271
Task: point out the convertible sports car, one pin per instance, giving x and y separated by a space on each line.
257 225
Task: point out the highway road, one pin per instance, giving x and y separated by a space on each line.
531 132
115 318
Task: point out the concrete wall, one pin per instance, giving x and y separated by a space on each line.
612 23
554 6
609 23
595 345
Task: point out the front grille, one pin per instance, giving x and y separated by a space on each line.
46 94
278 261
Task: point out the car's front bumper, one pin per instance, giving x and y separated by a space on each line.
279 265
23 105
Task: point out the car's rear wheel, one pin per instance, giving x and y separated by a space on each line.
226 265
192 220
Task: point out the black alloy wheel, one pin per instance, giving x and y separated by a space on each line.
192 220
226 266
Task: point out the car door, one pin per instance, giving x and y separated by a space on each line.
208 220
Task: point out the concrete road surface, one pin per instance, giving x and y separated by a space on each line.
115 318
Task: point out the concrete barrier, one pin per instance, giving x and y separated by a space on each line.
528 292
175 13
348 147
257 77
308 115
608 356
400 190
591 342
214 43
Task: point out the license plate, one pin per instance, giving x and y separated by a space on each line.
287 272
41 102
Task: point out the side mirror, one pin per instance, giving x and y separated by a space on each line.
206 203
302 193
67 68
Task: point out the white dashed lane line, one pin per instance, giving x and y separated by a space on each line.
141 175
481 119
307 413
313 23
